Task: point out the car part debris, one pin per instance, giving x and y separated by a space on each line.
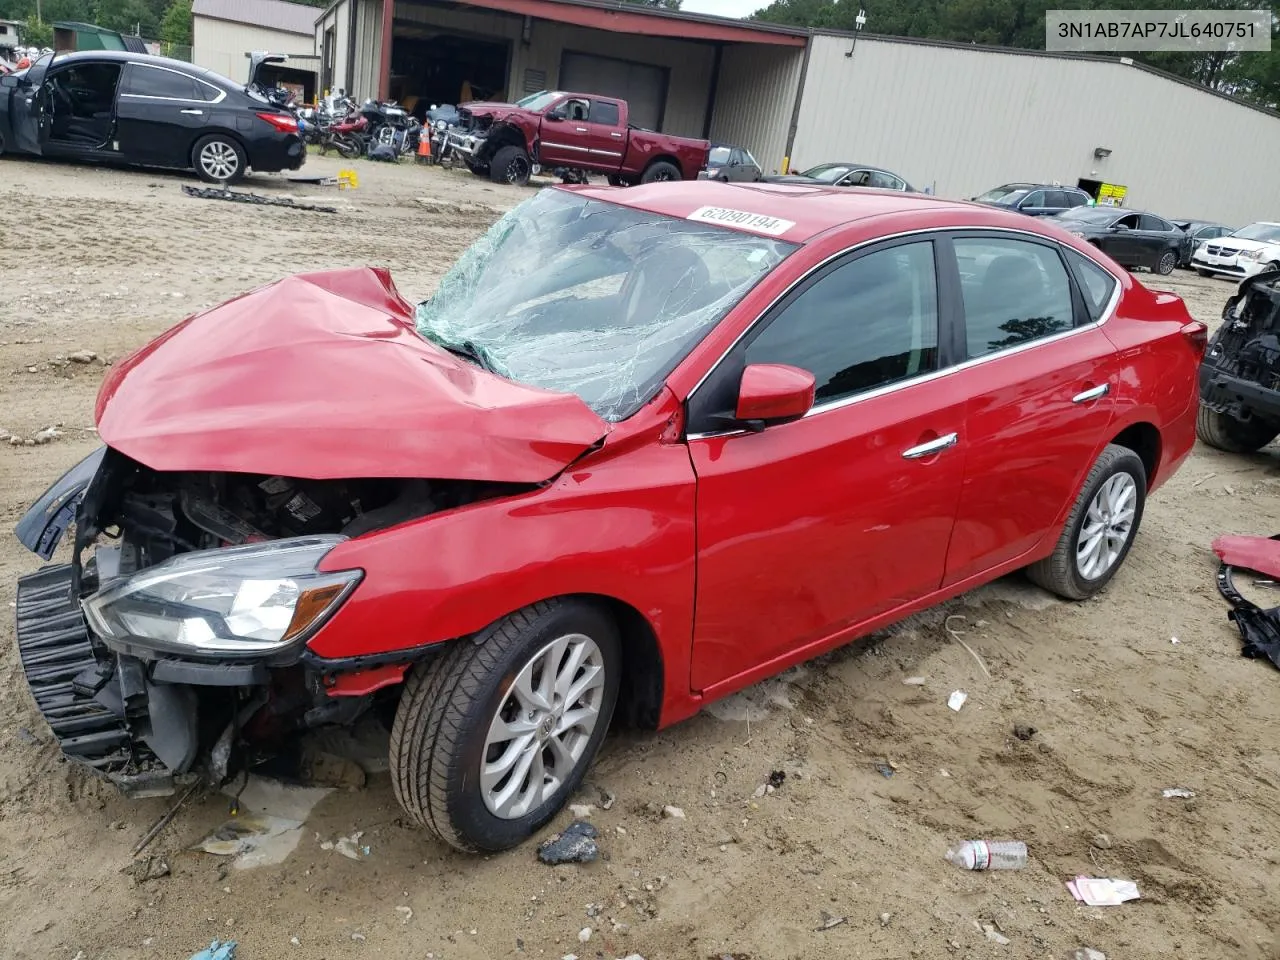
1260 554
1259 628
345 180
239 196
575 844
828 921
1103 893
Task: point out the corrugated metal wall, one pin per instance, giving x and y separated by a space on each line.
973 119
221 46
368 49
338 20
755 97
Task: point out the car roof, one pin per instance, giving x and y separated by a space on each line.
811 210
126 56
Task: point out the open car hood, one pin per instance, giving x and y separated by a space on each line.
322 376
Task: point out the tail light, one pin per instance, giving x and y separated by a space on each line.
282 122
1197 334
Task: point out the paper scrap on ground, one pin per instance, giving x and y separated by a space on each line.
1180 793
1102 893
270 827
957 699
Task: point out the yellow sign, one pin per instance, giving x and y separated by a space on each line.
1111 195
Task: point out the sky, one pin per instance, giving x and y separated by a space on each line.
724 8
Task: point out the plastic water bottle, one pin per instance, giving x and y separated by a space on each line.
989 855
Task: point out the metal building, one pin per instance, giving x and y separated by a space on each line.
224 32
958 117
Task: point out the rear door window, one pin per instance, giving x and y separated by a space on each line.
1014 291
1148 222
1096 285
605 112
154 83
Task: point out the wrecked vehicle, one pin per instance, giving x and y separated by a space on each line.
639 450
1240 374
574 135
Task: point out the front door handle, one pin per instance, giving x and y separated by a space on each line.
581 129
618 135
194 113
930 448
1093 394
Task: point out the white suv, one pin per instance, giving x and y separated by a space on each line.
1245 253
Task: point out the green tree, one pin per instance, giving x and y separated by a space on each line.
176 26
662 4
37 33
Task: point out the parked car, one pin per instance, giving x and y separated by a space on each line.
1240 373
1036 199
1246 253
1130 237
576 134
845 175
119 107
1199 231
472 516
730 164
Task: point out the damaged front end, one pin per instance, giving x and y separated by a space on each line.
1240 375
172 646
469 135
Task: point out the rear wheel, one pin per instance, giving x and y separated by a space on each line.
1203 273
219 159
1100 528
492 737
1232 435
659 172
1166 263
511 165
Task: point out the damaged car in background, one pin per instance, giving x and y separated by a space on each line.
573 135
529 506
1240 373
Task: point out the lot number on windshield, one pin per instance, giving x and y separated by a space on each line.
743 219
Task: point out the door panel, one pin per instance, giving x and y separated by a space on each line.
607 140
30 108
566 140
159 115
1041 400
811 527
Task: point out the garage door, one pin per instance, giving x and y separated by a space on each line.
644 87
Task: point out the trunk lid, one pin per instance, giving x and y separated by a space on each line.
323 376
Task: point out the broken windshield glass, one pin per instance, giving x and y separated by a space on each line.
582 296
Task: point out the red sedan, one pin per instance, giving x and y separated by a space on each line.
640 449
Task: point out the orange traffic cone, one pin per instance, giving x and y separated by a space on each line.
424 149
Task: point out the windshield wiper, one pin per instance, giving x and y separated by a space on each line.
468 349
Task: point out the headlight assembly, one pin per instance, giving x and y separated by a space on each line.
254 599
1249 254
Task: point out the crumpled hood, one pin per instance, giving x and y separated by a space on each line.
484 108
322 376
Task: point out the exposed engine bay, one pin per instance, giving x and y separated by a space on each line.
154 711
1240 377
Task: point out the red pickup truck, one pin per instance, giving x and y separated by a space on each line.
574 134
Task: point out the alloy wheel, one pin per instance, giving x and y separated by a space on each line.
1167 263
1107 526
517 170
542 727
219 160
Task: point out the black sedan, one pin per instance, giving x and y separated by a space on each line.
1199 231
845 175
731 164
1130 237
131 108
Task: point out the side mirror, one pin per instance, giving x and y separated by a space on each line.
8 81
556 115
773 393
1119 228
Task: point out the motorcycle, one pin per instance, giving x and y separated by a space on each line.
348 136
391 124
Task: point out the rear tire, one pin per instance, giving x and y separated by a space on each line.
219 159
1203 273
660 171
474 707
511 165
1097 536
1234 436
1166 263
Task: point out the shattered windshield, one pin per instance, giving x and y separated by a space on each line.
581 296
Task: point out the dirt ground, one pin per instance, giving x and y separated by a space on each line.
96 260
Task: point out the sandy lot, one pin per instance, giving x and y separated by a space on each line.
103 260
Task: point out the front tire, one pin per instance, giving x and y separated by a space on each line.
1166 263
492 737
1100 528
511 165
1232 435
219 159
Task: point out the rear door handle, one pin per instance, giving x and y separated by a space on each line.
930 448
1093 394
618 135
194 113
